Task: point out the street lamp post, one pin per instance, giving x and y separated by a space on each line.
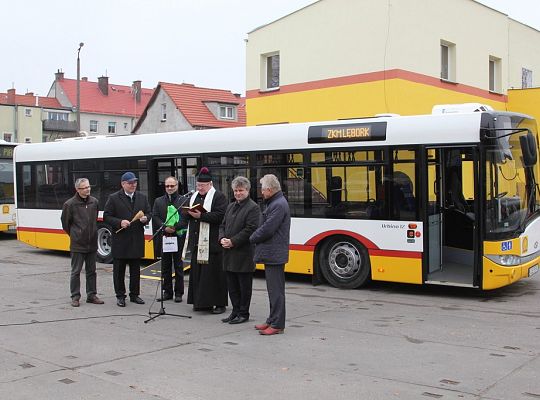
79 89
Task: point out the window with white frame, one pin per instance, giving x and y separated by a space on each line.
526 78
93 126
8 137
495 74
112 127
28 112
271 71
163 112
226 112
58 116
448 61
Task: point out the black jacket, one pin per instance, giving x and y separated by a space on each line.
79 221
129 242
214 218
271 239
159 216
240 221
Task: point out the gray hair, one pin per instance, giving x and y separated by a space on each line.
270 181
241 182
78 182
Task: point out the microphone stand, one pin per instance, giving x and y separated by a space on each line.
154 315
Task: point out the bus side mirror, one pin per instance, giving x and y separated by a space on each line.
528 149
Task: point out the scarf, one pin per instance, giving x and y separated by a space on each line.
203 245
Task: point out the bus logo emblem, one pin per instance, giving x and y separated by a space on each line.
506 246
525 244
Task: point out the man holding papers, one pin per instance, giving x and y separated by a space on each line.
166 212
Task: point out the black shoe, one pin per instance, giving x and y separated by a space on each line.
229 318
121 302
137 300
165 297
218 310
238 320
178 299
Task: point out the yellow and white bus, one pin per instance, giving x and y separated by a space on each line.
7 197
447 198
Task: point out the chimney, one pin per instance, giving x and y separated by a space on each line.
84 79
103 83
11 96
29 94
59 76
137 90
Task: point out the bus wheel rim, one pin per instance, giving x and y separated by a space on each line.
104 236
345 260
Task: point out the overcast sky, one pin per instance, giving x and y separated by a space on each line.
192 41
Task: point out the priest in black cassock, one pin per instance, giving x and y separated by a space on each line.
207 289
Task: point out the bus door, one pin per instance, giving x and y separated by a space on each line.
183 168
434 210
452 181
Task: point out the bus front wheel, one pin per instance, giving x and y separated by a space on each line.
344 262
104 236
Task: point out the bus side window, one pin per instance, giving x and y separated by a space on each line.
403 192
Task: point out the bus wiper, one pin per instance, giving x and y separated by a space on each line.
513 132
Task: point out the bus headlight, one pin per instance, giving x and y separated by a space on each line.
505 259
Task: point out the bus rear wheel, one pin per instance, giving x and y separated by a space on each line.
104 237
344 262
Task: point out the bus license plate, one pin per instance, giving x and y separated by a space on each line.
533 270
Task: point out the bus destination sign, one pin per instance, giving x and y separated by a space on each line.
347 133
6 151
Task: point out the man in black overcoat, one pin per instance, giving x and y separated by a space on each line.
241 219
120 213
207 282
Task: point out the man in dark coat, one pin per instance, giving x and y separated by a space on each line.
241 219
166 211
121 213
207 282
271 241
79 221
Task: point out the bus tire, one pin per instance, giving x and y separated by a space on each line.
344 262
104 247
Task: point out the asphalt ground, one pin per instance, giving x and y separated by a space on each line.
385 341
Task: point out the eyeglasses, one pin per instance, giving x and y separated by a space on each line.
83 188
170 186
203 184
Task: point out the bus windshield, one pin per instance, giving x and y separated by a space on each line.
6 181
511 181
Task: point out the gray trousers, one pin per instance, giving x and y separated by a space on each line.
77 261
275 285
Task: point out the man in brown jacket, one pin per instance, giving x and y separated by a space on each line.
79 221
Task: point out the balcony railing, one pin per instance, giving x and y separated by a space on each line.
59 126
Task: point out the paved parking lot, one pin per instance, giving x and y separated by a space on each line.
386 341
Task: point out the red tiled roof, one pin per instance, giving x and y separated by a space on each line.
190 101
30 101
119 101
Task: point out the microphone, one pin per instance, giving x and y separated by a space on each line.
190 193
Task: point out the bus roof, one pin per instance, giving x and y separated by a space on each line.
400 130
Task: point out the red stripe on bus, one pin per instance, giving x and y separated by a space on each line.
40 230
55 231
365 241
395 253
301 247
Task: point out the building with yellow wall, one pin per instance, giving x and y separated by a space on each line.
342 59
